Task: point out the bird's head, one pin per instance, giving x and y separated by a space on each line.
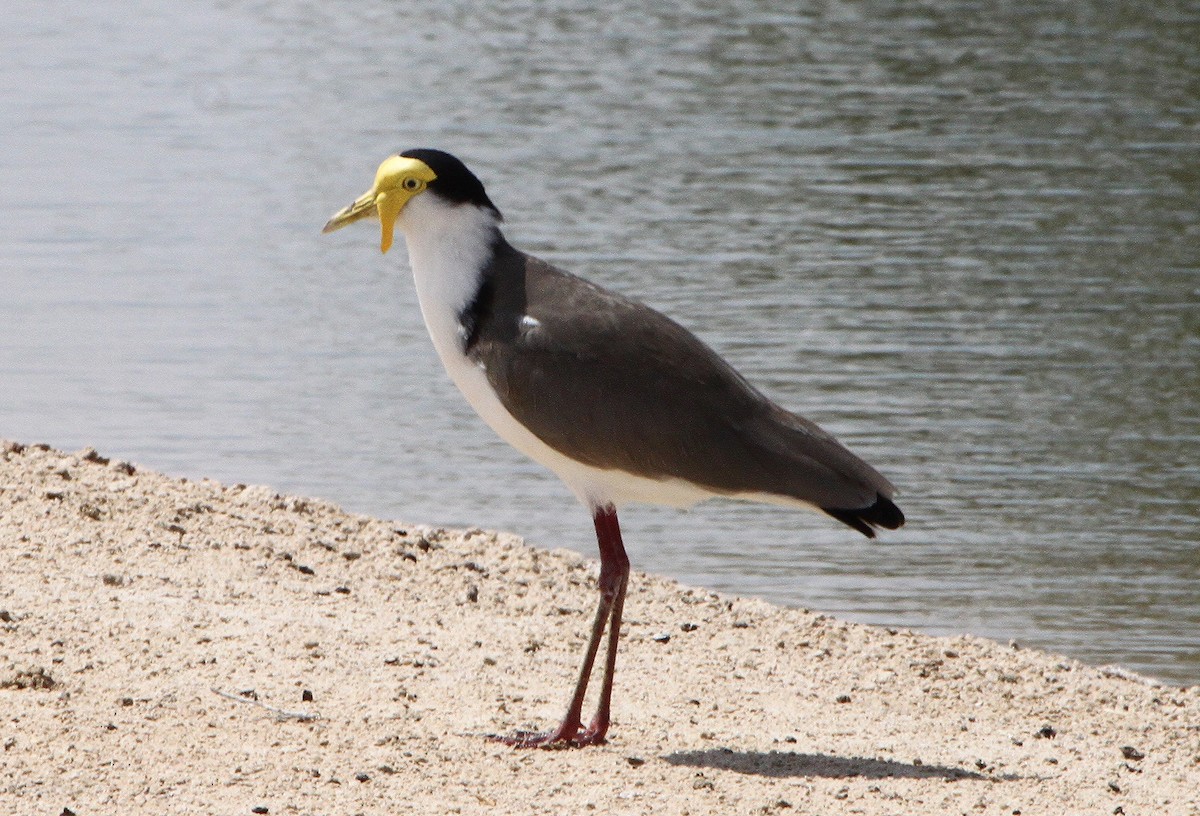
409 174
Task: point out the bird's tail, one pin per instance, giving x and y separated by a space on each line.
883 513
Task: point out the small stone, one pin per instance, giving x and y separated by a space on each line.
28 678
843 698
688 627
90 455
306 696
1046 732
635 761
1131 753
661 637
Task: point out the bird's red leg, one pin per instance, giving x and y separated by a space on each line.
569 729
612 554
614 576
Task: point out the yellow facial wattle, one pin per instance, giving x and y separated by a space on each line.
397 180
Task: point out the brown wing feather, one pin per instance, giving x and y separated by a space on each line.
617 385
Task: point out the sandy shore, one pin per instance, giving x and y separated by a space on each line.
170 646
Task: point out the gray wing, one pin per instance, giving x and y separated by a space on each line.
617 385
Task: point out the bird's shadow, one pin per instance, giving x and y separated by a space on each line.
785 764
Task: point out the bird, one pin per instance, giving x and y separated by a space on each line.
620 401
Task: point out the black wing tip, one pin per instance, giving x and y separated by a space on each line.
883 513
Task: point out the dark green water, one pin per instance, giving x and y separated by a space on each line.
963 236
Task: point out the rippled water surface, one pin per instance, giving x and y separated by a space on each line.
963 236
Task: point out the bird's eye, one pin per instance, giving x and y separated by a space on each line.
412 184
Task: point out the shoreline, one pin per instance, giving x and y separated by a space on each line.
158 637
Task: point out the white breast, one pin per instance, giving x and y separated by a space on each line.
448 247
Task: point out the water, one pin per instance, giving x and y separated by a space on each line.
963 236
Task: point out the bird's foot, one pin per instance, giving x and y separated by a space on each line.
567 735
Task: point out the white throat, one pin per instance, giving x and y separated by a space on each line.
448 246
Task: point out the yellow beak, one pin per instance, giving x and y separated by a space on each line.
397 180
